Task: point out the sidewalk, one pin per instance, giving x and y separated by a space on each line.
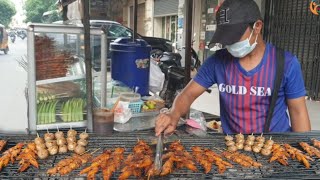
314 114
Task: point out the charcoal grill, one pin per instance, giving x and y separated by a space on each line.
213 141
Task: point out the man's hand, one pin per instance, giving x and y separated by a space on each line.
166 123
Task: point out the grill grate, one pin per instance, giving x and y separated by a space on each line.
213 141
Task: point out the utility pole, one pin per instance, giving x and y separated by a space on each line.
135 20
86 26
188 38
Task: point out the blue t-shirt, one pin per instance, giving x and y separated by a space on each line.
245 95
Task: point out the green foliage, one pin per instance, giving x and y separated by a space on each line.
36 8
7 10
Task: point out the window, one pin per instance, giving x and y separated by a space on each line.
169 27
173 28
116 31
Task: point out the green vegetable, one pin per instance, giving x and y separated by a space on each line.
72 110
40 107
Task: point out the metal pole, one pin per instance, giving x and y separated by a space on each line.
32 93
104 48
86 26
188 39
135 19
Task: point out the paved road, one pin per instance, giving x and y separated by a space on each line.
13 79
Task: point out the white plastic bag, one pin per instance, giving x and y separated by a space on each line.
122 112
157 77
198 118
75 10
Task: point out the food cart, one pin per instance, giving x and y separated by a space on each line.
99 145
56 75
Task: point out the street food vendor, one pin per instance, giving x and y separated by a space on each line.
244 72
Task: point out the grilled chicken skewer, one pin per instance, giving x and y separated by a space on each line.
66 166
176 156
3 143
297 154
315 143
312 151
28 157
114 163
243 160
108 162
179 157
137 162
205 157
279 154
10 155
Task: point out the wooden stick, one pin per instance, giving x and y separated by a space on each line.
38 135
47 130
115 105
84 152
95 151
218 149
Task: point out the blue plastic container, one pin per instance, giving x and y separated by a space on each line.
130 63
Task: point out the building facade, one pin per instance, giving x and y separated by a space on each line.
165 19
156 18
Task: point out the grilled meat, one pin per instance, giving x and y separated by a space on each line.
66 166
312 151
279 154
28 157
206 157
3 143
139 162
108 162
315 143
177 157
297 154
10 155
242 159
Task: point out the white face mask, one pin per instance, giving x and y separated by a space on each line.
242 48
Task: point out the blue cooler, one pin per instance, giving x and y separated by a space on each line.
130 63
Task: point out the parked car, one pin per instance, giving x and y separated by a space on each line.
115 30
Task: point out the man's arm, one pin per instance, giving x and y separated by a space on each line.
184 100
300 121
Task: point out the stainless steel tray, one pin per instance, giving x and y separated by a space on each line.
139 122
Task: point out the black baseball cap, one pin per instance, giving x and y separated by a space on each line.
233 18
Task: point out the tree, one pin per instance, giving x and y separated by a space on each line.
7 11
36 8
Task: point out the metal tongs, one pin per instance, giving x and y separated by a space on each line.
159 148
159 151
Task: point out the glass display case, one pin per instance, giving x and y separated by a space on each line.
56 74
